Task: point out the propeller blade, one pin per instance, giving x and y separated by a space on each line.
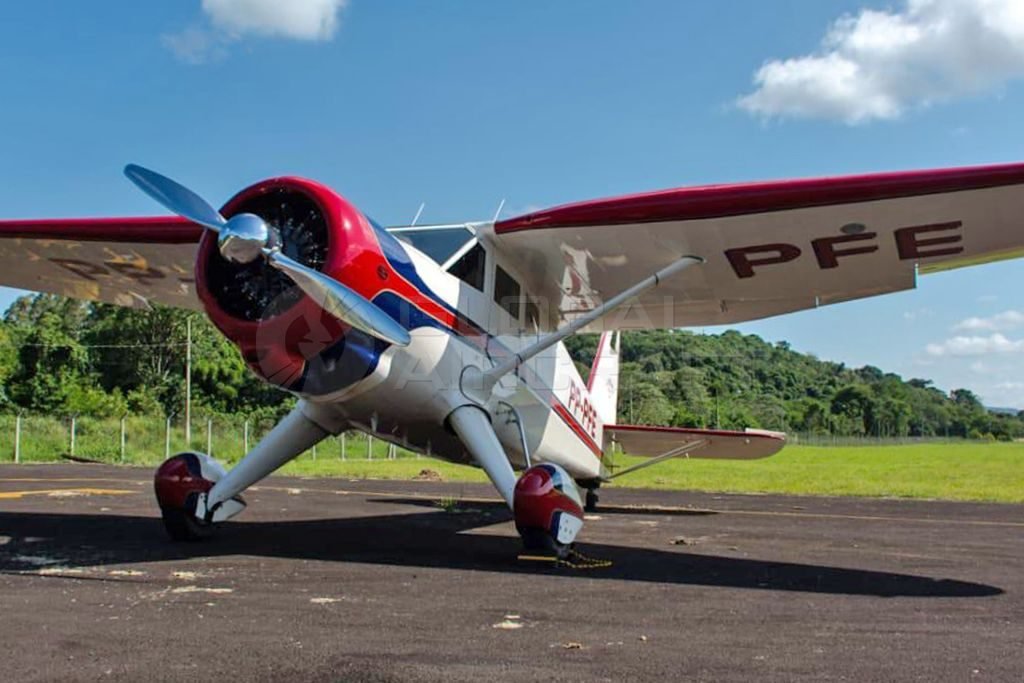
175 197
340 301
334 297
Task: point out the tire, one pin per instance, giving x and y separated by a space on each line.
183 527
591 502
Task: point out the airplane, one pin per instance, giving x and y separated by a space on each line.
447 339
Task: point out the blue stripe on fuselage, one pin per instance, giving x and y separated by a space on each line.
398 258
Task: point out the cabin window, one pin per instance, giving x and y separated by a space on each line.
470 267
506 292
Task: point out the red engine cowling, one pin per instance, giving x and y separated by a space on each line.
279 330
547 508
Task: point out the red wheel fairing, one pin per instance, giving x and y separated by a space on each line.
547 507
178 478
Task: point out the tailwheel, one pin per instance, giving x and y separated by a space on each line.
181 484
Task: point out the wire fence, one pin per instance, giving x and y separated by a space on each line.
148 440
826 440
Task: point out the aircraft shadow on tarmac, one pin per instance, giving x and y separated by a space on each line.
496 508
431 539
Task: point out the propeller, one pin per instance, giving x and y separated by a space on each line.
246 237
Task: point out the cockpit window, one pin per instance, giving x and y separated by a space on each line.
470 268
439 243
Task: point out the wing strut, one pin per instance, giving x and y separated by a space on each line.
684 450
484 382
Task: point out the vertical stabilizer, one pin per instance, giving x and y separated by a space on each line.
603 383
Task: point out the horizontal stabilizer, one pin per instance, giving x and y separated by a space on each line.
665 442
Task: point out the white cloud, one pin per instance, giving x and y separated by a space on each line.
298 19
980 368
1007 320
232 20
976 346
917 314
194 45
877 64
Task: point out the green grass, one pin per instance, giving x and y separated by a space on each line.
948 471
401 468
951 471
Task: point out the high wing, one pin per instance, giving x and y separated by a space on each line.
124 261
770 247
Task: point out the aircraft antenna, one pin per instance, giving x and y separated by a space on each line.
498 212
419 211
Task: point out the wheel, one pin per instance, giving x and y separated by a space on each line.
182 526
538 541
548 510
591 502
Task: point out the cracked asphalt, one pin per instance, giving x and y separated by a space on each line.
337 580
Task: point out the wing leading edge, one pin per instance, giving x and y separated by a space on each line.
124 261
771 247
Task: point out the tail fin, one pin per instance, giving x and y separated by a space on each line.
603 383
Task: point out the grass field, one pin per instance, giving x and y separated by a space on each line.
953 471
958 471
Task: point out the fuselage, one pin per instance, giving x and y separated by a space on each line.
544 410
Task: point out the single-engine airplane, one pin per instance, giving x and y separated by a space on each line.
446 339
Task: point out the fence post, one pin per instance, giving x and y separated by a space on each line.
167 438
245 437
72 445
314 452
369 447
209 436
17 438
343 445
122 438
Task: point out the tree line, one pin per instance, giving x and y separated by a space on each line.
732 381
62 356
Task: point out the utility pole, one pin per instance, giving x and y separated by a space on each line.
188 383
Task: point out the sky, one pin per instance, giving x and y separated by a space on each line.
461 104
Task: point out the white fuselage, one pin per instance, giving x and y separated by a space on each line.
413 389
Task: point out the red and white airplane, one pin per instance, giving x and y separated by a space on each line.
446 339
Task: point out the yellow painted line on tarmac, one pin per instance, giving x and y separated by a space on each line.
4 480
60 493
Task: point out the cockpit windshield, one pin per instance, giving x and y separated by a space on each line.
439 242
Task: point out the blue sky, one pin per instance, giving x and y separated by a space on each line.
460 104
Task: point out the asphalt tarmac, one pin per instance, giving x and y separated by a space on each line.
324 580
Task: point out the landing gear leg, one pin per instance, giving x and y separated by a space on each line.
546 504
195 492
